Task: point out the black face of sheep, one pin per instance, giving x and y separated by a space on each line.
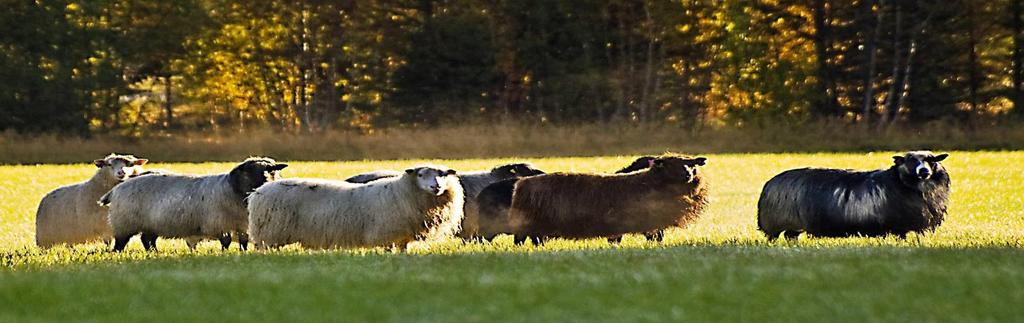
910 196
641 163
678 168
516 170
917 167
253 173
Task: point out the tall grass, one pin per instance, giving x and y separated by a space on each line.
505 140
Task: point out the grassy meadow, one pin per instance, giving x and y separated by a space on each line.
720 268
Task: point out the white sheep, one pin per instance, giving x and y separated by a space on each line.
184 206
472 184
70 214
423 203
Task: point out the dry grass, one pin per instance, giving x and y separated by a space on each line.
504 140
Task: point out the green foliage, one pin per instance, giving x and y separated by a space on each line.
135 67
449 70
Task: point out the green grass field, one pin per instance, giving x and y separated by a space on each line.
718 269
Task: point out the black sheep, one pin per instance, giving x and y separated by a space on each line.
910 196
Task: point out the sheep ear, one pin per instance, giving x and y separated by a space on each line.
898 160
450 172
701 161
278 166
410 171
100 163
140 162
938 158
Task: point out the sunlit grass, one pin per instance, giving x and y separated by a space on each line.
962 271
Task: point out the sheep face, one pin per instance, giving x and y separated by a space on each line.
121 167
253 173
918 166
515 170
680 168
431 180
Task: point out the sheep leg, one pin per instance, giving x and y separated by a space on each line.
793 235
149 241
192 242
397 247
519 239
121 241
615 240
225 241
538 241
656 235
243 240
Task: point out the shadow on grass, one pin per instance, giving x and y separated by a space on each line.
33 259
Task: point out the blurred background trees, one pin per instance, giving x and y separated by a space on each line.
134 67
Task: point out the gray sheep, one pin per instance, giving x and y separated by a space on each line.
184 206
70 215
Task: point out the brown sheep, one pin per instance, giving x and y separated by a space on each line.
577 206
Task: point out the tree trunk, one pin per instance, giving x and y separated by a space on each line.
645 101
903 90
168 103
304 67
972 57
1017 28
624 70
872 29
825 105
892 97
905 84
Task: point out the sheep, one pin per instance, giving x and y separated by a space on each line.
492 209
69 214
372 176
494 201
472 184
423 203
641 163
577 206
185 206
909 196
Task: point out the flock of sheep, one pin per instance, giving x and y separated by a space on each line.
393 208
